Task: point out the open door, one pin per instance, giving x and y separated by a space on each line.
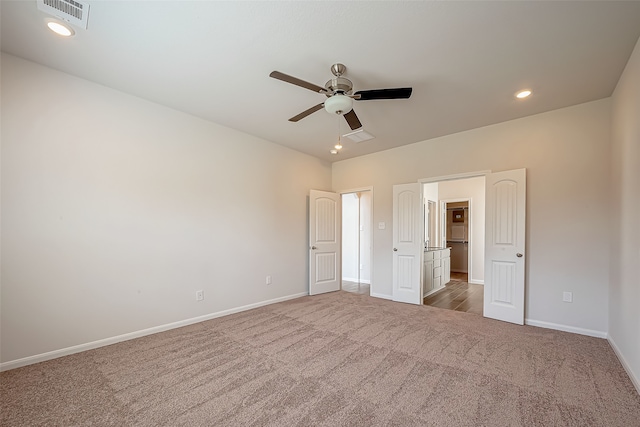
408 245
324 241
443 224
504 246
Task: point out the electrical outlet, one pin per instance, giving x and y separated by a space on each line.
268 280
567 296
199 295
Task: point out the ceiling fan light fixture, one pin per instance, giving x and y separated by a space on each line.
338 104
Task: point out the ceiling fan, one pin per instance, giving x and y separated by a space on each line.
340 96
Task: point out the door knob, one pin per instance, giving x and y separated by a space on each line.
313 247
519 255
395 249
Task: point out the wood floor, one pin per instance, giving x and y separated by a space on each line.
458 295
356 288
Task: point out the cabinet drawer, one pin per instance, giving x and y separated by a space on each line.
428 255
437 263
436 254
437 272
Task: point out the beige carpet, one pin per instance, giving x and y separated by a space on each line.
337 359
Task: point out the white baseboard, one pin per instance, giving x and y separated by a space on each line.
634 378
383 296
433 291
565 328
354 279
476 282
30 360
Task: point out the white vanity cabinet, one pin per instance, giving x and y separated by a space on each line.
446 266
436 270
427 274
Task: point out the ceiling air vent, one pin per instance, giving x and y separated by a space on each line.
359 135
71 11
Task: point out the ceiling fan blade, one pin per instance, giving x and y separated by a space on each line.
305 113
296 81
352 119
398 93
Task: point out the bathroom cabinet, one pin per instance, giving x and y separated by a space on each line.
436 269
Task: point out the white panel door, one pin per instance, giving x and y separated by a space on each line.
408 245
505 243
324 241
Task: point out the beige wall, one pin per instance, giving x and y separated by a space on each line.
116 210
566 153
624 290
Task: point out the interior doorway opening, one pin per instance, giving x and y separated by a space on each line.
356 241
459 206
456 217
500 239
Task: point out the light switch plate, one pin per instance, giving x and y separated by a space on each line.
381 225
567 296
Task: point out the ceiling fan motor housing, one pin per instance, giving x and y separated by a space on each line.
339 85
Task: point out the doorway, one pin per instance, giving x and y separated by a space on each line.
356 241
456 217
504 249
460 211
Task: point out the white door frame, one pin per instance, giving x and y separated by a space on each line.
357 190
454 177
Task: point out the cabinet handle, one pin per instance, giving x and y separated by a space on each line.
313 247
395 249
519 255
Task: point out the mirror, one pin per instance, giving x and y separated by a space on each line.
430 229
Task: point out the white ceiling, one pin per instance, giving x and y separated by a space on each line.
464 60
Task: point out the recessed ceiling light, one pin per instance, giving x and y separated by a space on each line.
523 94
60 29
